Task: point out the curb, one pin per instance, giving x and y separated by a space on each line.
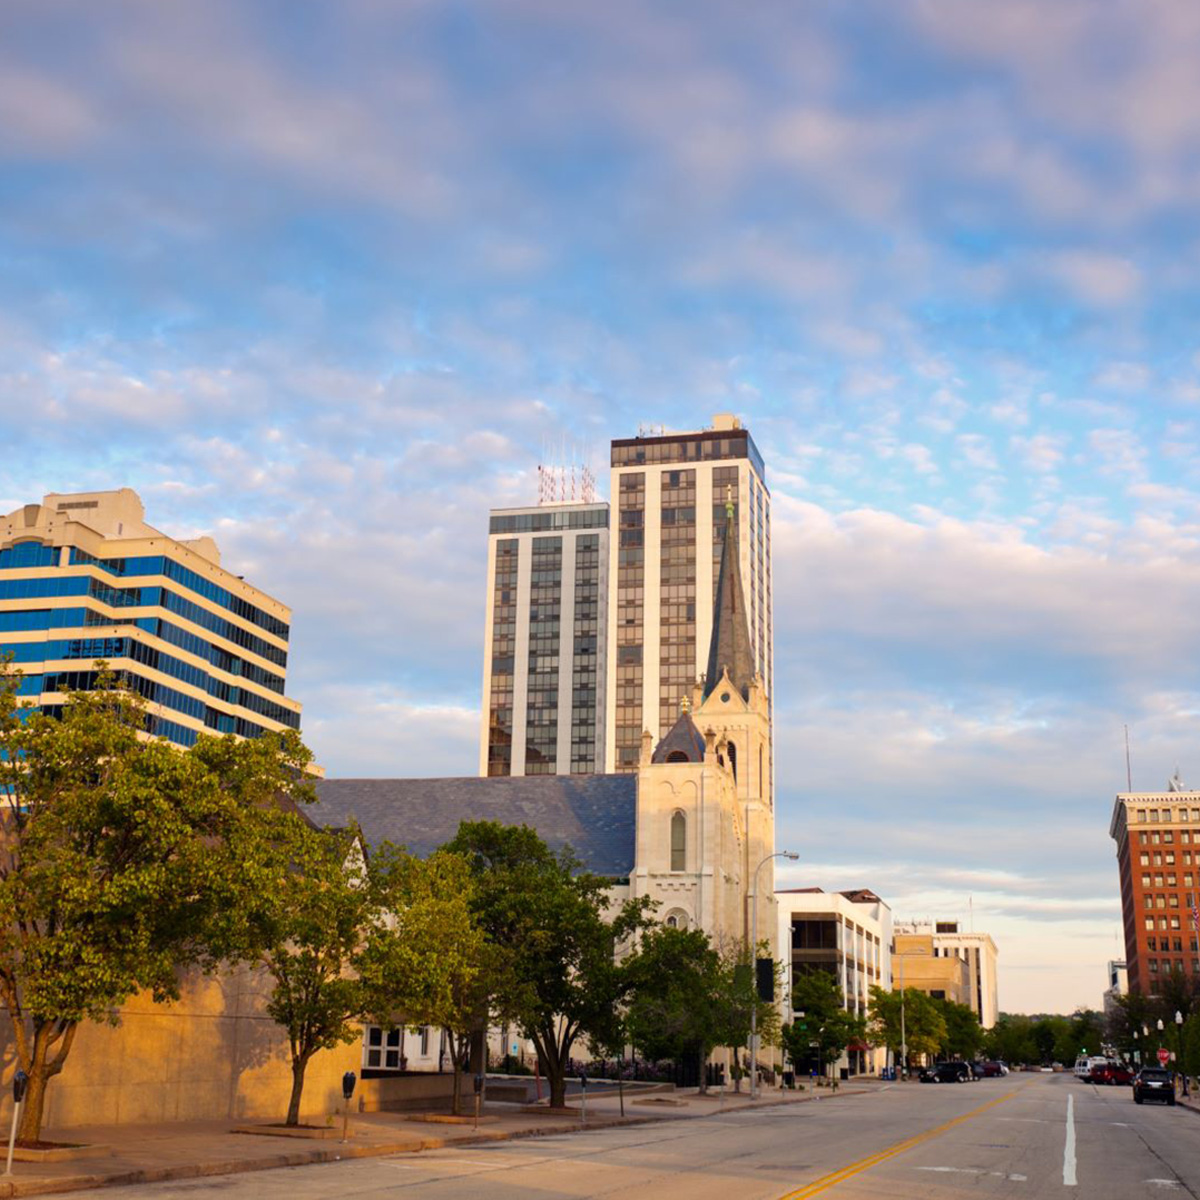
327 1154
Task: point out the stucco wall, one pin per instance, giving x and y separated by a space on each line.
212 1055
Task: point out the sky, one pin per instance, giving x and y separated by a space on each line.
328 281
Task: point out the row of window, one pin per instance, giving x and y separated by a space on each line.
553 518
158 564
1165 816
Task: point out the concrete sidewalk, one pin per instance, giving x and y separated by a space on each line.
188 1150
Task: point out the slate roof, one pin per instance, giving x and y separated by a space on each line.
730 645
683 738
594 814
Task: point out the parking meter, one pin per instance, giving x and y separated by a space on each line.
583 1095
478 1084
348 1082
20 1083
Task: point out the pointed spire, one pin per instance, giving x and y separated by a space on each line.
730 648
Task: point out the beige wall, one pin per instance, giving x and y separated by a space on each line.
213 1055
914 966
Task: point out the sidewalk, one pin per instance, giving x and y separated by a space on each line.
188 1150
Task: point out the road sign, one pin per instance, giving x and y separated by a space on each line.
1164 1056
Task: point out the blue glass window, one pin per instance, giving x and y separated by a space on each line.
29 554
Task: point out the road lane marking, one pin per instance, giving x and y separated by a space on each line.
976 1171
835 1177
1069 1146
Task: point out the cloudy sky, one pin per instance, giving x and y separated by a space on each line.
329 280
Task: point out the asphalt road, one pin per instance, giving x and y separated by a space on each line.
1024 1136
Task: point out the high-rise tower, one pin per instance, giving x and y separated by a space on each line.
83 577
544 639
670 494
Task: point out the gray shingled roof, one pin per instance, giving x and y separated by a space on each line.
683 738
593 814
730 646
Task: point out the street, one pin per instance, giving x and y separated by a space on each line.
1025 1136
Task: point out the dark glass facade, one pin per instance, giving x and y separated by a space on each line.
545 615
677 593
630 617
504 648
585 659
705 446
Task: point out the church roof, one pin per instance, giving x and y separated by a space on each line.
593 814
683 738
730 646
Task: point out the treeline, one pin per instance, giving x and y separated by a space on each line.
126 861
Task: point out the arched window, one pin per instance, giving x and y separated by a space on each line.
678 842
733 759
677 919
677 756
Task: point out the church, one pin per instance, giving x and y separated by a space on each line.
690 828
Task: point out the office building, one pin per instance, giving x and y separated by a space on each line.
950 964
545 634
83 577
669 494
849 936
1118 985
1158 860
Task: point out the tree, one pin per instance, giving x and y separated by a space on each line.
429 964
1010 1040
821 1018
675 996
737 998
923 1027
555 973
964 1034
116 863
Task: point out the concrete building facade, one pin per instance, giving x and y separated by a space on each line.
83 577
1158 862
545 638
939 957
849 936
669 493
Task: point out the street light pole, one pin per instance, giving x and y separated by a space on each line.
1179 1044
793 856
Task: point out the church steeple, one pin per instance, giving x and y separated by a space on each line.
730 648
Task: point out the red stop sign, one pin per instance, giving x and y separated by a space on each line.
1164 1057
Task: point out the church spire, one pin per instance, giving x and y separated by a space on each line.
730 648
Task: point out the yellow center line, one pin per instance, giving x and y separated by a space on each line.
863 1164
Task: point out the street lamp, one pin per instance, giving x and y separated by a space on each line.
1179 1043
793 856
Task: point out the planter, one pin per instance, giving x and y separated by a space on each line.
319 1132
61 1152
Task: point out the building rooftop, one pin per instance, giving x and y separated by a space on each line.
592 814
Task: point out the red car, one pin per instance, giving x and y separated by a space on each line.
1112 1073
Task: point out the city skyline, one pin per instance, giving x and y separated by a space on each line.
328 287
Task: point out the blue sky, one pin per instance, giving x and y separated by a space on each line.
328 281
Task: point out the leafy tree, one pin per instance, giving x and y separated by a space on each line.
429 964
821 1018
1048 1032
117 864
736 999
923 1026
554 973
964 1034
1010 1040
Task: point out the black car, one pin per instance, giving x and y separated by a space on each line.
1154 1083
947 1072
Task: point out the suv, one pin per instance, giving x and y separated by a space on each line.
1154 1083
989 1070
947 1072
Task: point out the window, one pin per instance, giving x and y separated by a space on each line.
678 842
382 1049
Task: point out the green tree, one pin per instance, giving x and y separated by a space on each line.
737 998
555 972
923 1029
821 1018
964 1034
428 964
117 865
1010 1040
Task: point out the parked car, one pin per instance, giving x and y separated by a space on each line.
947 1072
1154 1083
1110 1073
989 1070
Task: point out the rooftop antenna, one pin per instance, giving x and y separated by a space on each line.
1128 769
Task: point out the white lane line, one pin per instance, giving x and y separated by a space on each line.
1069 1146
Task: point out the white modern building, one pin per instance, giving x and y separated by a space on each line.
545 636
847 934
1118 984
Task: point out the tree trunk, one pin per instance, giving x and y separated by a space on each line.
42 1068
556 1077
299 1063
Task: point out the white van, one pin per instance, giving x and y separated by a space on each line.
1085 1063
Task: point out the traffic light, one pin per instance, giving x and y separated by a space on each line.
765 979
